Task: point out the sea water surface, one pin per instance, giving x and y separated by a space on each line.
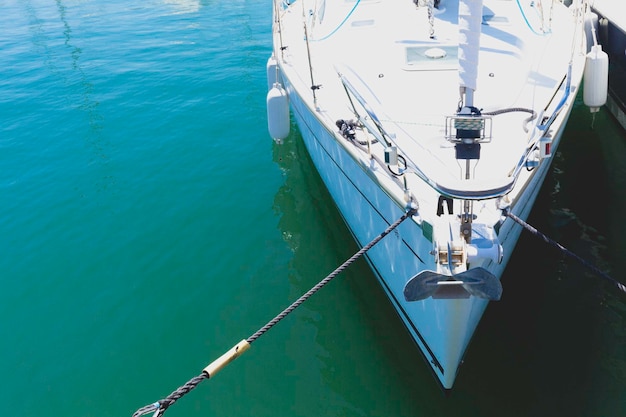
148 223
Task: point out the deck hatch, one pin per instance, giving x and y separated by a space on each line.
431 57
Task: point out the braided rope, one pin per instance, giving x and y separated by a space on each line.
326 280
509 110
160 406
566 251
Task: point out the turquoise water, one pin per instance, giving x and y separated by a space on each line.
148 223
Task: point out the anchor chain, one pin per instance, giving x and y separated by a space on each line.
159 407
566 251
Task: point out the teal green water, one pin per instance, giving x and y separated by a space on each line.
148 223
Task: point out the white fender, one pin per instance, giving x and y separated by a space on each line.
278 112
596 78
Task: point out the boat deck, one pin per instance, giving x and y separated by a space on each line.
385 45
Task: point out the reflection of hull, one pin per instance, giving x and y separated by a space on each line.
370 196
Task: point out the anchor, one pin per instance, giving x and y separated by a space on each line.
476 281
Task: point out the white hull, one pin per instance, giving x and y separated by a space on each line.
370 199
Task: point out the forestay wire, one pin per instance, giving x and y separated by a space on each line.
159 407
566 251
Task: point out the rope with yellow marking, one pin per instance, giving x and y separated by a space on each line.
159 407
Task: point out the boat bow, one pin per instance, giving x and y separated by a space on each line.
453 110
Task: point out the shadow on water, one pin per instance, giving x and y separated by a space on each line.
554 345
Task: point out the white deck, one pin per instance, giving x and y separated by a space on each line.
520 66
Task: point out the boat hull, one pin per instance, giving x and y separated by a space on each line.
442 328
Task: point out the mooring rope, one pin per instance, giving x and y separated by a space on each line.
566 251
159 407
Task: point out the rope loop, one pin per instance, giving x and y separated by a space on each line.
152 408
160 406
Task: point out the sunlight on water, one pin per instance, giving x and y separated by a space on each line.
149 223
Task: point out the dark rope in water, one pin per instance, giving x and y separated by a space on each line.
159 407
566 251
326 280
